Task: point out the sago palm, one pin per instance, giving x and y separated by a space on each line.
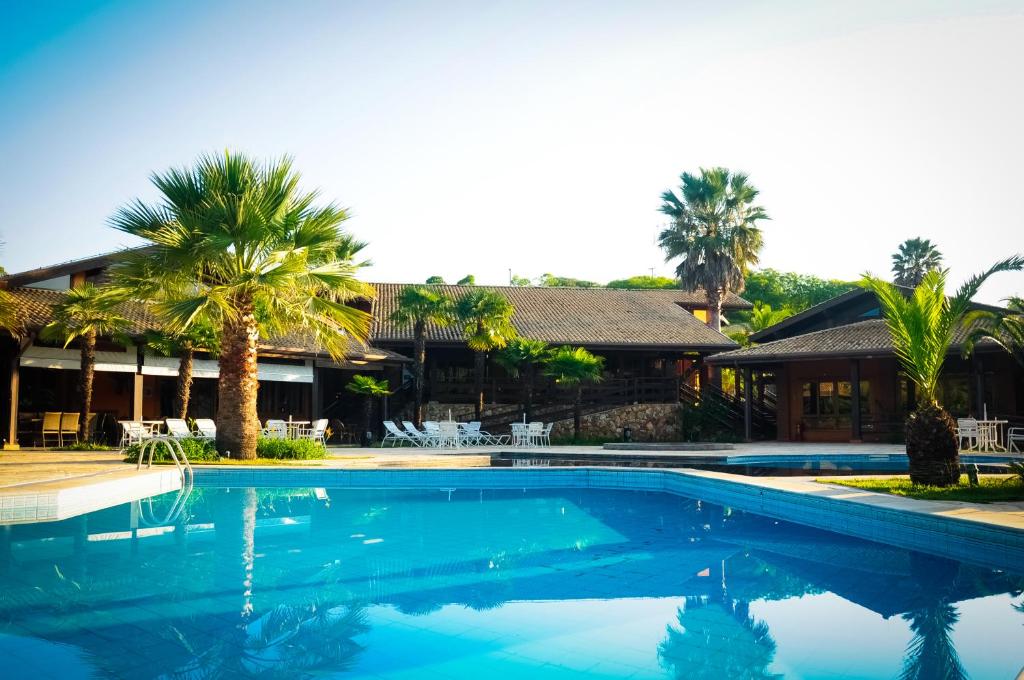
714 233
85 314
572 368
1006 329
237 245
199 337
915 258
486 321
419 306
521 358
922 327
370 389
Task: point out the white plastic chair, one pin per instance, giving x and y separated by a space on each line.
177 428
535 434
276 429
317 432
133 432
418 438
545 435
207 428
520 434
448 434
394 435
1013 436
967 430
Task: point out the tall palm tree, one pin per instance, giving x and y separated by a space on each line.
486 320
573 367
714 232
922 327
915 258
199 337
236 244
84 314
931 653
419 306
370 389
521 358
1005 329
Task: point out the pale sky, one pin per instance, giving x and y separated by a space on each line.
472 137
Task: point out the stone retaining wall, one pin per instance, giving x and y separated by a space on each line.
649 422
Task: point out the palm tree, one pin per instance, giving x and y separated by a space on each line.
572 367
84 314
486 320
714 232
520 358
1005 329
931 653
419 306
915 258
763 316
369 388
922 327
199 337
237 245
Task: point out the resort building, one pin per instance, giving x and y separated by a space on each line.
833 375
654 343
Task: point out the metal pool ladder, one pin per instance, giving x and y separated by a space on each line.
177 455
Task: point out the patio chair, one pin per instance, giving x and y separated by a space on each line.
418 438
545 435
207 428
520 434
51 426
967 430
535 434
1014 436
432 431
177 428
470 434
316 432
275 429
448 434
394 435
133 432
69 426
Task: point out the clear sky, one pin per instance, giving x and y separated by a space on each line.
471 137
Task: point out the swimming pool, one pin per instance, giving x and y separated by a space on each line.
287 581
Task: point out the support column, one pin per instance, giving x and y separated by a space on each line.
14 389
137 393
748 416
855 424
318 392
978 375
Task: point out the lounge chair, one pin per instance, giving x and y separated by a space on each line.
177 428
51 427
69 426
207 428
275 429
133 432
418 438
394 435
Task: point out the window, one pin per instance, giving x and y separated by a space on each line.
810 394
829 403
826 399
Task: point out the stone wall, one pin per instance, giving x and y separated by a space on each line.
649 422
434 410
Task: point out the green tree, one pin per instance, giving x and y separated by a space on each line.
521 358
915 258
435 280
199 337
641 282
237 245
789 289
922 327
572 368
763 316
84 314
552 281
467 280
1006 329
521 281
714 232
369 388
486 321
417 307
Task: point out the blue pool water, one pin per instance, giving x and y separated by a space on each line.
465 583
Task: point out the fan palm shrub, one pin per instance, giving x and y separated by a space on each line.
85 314
714 233
915 258
417 307
486 321
922 326
199 337
521 358
572 368
237 245
370 389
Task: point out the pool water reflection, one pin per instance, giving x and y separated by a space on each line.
470 583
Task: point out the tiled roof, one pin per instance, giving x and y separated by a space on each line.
864 338
579 316
35 307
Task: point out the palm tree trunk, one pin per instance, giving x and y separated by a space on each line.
368 418
238 425
577 412
714 298
479 361
184 392
420 355
85 378
528 391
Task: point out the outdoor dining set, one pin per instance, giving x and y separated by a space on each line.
453 435
137 431
986 435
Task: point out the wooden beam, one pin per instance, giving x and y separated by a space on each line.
15 386
137 394
748 415
855 424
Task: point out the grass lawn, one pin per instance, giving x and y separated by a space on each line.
992 488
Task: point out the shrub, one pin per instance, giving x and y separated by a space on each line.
196 450
86 446
290 449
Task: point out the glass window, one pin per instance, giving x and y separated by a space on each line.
826 399
844 398
810 398
865 398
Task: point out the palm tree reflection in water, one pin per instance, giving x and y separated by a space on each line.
930 654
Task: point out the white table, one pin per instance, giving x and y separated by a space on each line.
990 436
